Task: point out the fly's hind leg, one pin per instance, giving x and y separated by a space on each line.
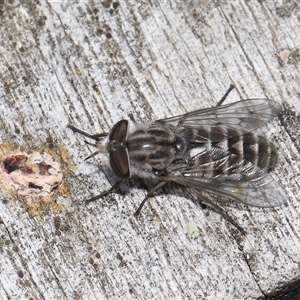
220 210
231 87
150 194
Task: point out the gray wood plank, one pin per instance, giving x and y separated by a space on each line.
93 63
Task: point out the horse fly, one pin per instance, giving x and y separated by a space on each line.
212 150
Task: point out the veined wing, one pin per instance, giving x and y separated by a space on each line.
262 190
241 181
242 116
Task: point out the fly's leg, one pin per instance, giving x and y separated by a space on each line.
101 150
96 136
231 87
114 187
220 210
150 194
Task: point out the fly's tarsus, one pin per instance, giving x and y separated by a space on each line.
150 194
231 87
114 187
219 210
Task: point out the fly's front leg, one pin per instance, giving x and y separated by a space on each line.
96 136
114 187
231 87
150 194
220 210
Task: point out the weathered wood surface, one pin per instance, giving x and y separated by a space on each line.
93 63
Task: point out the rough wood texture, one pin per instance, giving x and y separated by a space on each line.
92 63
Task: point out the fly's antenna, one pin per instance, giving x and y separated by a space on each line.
97 137
101 149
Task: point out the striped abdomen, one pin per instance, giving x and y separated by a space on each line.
254 149
216 151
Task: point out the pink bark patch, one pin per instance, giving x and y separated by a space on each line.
16 162
32 175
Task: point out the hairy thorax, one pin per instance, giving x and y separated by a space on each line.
155 147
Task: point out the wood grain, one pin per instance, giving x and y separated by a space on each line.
93 63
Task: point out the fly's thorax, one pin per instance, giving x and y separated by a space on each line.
155 147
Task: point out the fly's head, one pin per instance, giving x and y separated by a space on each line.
116 147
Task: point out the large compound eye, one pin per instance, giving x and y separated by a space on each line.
119 162
118 152
119 131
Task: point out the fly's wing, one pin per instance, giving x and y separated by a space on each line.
238 117
246 184
265 192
